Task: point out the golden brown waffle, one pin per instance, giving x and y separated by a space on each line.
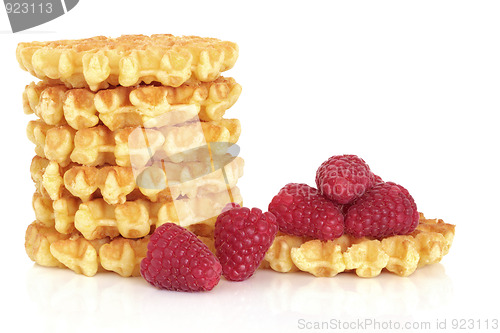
45 246
127 60
97 219
401 255
122 107
117 184
99 145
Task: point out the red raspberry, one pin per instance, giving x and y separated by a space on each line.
302 211
178 260
343 178
230 206
376 180
242 237
386 209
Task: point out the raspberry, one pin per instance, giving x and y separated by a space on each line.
376 180
230 206
302 211
343 178
178 260
242 237
386 209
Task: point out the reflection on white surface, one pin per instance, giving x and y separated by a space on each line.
67 300
347 294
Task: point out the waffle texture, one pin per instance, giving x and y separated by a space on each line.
47 247
97 219
117 184
120 107
128 60
99 145
400 255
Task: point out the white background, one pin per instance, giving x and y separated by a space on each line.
411 87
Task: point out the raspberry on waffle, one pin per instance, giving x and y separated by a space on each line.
384 210
343 178
301 210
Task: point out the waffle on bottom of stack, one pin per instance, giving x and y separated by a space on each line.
47 247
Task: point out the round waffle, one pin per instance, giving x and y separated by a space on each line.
121 107
401 255
128 60
99 145
97 219
117 184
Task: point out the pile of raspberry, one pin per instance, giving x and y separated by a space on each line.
349 199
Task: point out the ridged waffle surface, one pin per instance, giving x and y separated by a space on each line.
99 145
122 107
401 255
117 184
47 247
128 60
97 219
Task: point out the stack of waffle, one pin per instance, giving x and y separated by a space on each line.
130 135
